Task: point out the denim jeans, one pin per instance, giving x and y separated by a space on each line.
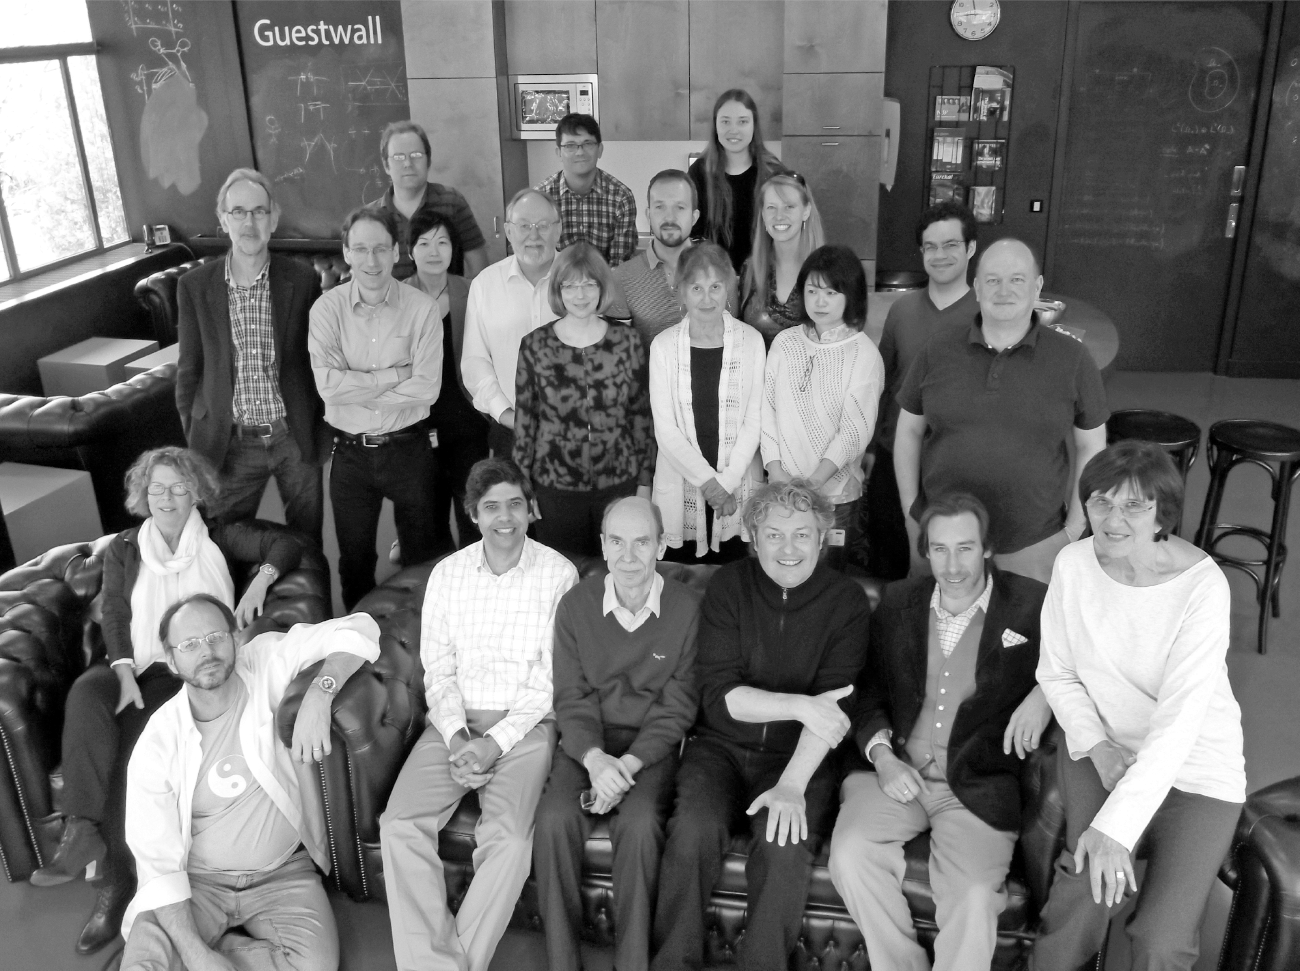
251 461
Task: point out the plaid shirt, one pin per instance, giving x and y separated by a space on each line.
257 382
952 626
605 217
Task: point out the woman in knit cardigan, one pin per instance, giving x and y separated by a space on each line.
706 377
822 391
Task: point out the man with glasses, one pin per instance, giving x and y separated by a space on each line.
376 352
244 388
224 821
405 149
506 301
993 409
594 206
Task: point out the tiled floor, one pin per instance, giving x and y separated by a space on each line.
38 927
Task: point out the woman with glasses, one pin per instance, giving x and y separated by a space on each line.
172 554
734 164
787 230
706 388
582 407
1135 635
822 390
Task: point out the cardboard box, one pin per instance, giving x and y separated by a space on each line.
93 365
45 507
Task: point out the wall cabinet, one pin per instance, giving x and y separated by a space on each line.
551 36
643 47
736 44
833 104
832 35
450 39
843 174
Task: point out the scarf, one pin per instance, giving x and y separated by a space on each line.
165 577
729 407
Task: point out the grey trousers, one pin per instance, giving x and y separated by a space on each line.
969 860
285 915
1184 845
425 935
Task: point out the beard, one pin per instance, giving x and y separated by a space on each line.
212 674
670 234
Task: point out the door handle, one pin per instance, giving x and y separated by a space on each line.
830 127
830 144
1238 181
496 233
1230 230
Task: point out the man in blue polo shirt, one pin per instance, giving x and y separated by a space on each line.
991 410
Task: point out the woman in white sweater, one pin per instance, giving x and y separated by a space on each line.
1133 662
822 390
706 377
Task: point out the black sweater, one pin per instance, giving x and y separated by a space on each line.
803 640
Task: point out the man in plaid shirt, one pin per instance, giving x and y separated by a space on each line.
593 204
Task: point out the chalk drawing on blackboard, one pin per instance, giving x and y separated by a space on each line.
172 123
1215 84
375 87
320 141
153 15
307 77
273 129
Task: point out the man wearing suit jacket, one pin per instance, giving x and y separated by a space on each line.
244 386
948 707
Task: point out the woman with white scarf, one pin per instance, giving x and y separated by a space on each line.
169 556
706 386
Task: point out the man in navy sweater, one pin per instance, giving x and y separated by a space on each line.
625 696
782 639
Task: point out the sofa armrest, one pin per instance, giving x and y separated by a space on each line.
157 294
1042 828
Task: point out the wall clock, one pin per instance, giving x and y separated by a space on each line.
974 19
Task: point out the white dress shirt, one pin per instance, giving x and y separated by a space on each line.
486 640
503 308
627 619
164 766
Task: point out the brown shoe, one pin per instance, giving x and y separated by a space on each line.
80 848
105 924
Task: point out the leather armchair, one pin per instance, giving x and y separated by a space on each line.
101 433
49 633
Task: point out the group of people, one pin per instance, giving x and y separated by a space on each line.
523 403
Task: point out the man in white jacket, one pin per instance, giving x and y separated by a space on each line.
220 816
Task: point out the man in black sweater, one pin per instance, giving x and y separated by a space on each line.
950 709
782 639
625 696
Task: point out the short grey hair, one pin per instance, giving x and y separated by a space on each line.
245 175
524 193
654 511
797 495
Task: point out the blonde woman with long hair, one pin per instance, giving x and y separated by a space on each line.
787 229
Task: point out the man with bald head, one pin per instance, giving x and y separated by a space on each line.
993 409
506 301
625 697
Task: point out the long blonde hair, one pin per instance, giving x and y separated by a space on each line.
761 257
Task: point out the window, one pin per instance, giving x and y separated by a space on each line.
59 197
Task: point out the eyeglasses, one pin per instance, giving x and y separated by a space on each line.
949 248
363 252
239 213
573 148
191 644
1101 506
400 157
176 489
583 286
540 228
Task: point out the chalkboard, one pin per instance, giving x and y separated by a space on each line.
323 80
1160 113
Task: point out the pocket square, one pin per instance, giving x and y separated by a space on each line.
1010 638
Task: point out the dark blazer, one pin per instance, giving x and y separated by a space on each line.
205 377
891 690
457 299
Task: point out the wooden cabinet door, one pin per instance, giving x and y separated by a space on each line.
834 36
736 44
833 104
645 86
460 115
844 176
451 39
551 37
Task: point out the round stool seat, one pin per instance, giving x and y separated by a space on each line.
1264 440
1171 431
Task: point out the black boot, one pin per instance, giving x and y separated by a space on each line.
79 847
105 923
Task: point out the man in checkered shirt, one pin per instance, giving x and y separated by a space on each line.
485 642
593 204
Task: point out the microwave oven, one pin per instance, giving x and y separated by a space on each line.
539 101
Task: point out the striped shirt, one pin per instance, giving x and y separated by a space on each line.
645 293
486 640
257 383
605 217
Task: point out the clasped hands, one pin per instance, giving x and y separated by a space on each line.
715 494
611 778
472 759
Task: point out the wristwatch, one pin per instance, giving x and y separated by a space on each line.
269 570
327 684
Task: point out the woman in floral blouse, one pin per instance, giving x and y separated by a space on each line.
582 407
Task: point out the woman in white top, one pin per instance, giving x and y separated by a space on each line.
706 377
1134 641
822 391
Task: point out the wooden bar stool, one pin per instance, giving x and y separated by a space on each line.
1275 449
1174 433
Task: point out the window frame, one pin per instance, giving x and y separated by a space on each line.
60 53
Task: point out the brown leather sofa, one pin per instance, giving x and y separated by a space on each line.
49 632
101 433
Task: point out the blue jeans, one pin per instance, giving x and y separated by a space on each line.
251 461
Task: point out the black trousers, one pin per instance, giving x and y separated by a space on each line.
636 827
361 478
97 745
716 783
458 449
571 520
889 556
